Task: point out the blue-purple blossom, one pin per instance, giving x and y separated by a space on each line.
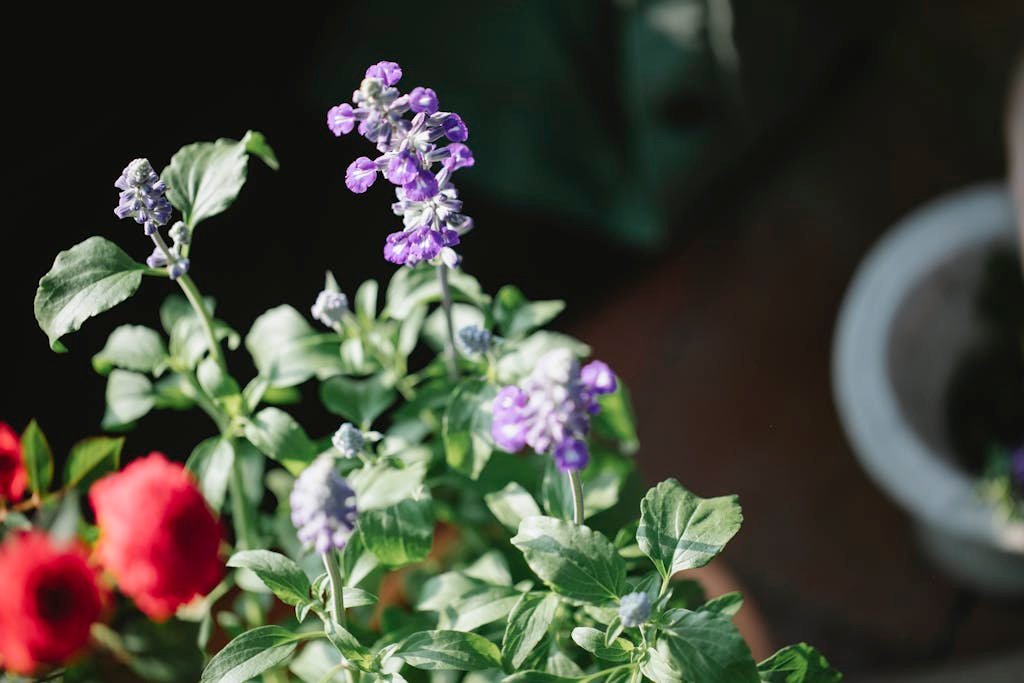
158 259
348 440
178 268
330 307
411 149
634 609
550 411
323 506
474 340
1017 468
143 196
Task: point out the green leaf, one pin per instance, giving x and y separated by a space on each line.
38 458
511 505
602 480
574 561
528 626
537 677
466 427
288 351
449 650
256 144
252 653
616 421
279 437
400 534
379 486
91 459
86 280
412 287
350 647
357 597
522 356
799 663
130 396
435 329
189 342
361 401
679 530
366 302
204 178
702 646
211 463
280 574
132 347
728 604
215 381
517 317
592 640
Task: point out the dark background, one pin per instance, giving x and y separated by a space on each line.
701 219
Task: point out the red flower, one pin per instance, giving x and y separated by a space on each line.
49 600
13 476
157 536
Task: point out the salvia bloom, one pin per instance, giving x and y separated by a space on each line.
13 475
323 506
551 411
634 609
157 535
410 147
474 340
348 440
142 196
330 307
50 600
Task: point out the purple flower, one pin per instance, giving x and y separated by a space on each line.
142 196
341 119
571 455
454 128
1017 468
598 377
402 168
388 72
178 268
360 174
423 100
421 187
157 259
409 247
323 506
551 411
459 156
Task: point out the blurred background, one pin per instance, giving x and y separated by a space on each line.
698 178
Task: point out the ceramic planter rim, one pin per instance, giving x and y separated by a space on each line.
929 487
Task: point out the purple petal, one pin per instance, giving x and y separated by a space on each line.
454 128
459 156
423 100
402 168
571 455
389 72
598 377
341 119
360 175
422 187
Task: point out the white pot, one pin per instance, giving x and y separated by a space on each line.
907 320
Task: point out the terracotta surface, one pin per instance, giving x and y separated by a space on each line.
727 349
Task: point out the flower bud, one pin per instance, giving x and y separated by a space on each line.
634 609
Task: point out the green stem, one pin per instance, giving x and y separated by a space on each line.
337 586
577 497
194 298
239 508
446 304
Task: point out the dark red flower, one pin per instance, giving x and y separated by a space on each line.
157 535
13 476
50 598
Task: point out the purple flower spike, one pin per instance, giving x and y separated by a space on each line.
142 196
423 100
341 119
459 156
454 128
508 427
402 168
422 187
323 506
360 175
598 377
571 455
388 72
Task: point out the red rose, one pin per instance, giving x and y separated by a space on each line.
49 600
13 476
157 536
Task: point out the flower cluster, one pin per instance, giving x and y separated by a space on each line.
323 506
13 476
551 411
175 555
409 148
143 197
475 340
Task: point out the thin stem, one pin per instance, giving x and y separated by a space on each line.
577 497
337 586
194 298
446 304
239 507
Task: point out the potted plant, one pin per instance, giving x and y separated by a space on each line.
476 516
